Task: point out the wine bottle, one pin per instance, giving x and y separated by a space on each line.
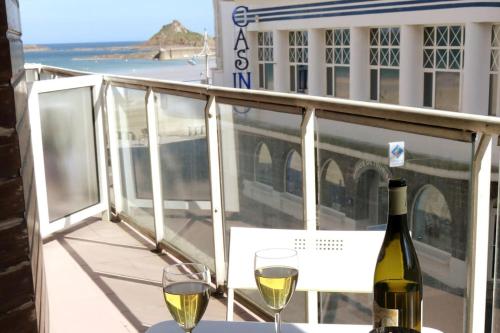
397 291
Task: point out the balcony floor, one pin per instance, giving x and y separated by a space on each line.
102 277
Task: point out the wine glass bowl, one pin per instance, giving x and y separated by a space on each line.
186 289
276 274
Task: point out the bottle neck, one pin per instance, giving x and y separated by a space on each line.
397 220
398 223
397 201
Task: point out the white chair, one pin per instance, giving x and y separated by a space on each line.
329 261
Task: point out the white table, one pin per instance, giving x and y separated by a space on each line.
208 326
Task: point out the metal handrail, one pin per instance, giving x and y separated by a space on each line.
437 123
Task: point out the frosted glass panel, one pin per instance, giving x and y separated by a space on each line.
262 177
69 151
184 173
353 172
133 148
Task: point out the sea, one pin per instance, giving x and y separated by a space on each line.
79 56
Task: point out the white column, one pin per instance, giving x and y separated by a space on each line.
359 81
411 75
281 71
475 86
316 77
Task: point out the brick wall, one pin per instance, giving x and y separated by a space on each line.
23 300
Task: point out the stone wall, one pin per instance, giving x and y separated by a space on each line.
23 299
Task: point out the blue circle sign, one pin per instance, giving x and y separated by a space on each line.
240 17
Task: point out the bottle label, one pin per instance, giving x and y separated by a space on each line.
383 317
397 201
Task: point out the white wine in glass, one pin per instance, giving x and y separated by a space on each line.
276 275
186 289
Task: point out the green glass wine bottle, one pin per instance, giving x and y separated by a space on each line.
397 299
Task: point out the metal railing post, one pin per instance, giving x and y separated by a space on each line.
154 156
113 149
309 194
99 110
309 169
216 190
477 261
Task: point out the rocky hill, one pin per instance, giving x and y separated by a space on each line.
175 34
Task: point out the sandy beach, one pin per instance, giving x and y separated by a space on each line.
188 73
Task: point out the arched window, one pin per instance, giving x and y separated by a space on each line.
371 199
263 165
432 219
332 187
293 174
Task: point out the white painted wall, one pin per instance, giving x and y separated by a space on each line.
359 81
411 75
224 76
475 87
281 72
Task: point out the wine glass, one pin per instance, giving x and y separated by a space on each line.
186 289
276 274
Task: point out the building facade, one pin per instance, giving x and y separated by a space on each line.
436 54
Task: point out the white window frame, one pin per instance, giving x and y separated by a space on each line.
434 68
265 56
390 46
300 44
95 83
331 48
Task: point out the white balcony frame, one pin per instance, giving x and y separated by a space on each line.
477 259
94 82
440 124
216 187
309 194
155 166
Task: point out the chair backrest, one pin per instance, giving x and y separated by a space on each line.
330 261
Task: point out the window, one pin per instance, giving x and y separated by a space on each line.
494 72
293 174
263 165
265 60
337 58
432 222
384 65
443 64
298 58
332 187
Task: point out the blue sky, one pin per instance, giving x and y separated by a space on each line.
74 21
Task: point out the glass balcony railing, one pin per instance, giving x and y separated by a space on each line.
188 162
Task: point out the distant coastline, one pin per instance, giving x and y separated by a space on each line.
172 42
150 53
139 51
35 48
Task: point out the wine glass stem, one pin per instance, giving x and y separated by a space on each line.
277 322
